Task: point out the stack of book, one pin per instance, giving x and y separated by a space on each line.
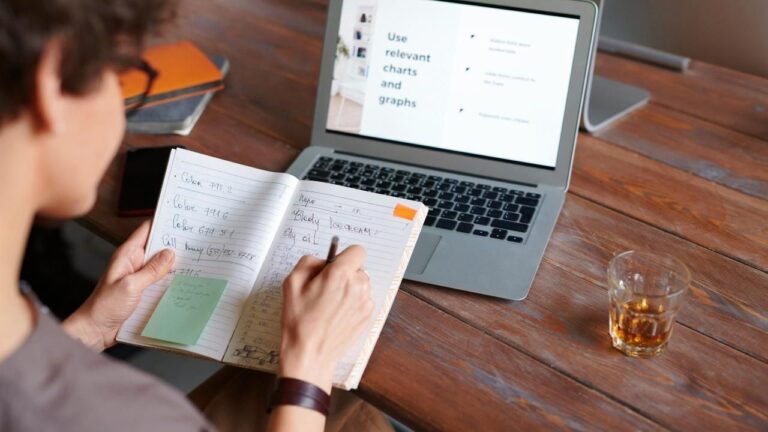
185 83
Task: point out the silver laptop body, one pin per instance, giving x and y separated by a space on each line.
364 133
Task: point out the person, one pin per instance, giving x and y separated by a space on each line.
61 121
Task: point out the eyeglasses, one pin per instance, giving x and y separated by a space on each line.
150 74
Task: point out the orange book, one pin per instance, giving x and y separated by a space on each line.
183 71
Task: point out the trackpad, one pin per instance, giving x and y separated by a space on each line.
425 247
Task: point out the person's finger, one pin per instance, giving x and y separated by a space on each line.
139 237
154 270
129 256
352 258
305 270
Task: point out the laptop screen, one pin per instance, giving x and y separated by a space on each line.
474 79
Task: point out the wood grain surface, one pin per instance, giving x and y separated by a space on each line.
686 175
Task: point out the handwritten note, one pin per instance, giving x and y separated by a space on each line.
219 217
231 222
317 213
185 309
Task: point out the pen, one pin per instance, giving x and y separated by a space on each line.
332 250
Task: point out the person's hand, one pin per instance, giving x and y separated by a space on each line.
118 293
325 309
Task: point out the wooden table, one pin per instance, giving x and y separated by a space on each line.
688 175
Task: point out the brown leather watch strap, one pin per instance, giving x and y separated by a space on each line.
290 391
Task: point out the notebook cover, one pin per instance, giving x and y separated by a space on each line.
183 71
174 117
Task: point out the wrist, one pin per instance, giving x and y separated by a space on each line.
305 366
80 326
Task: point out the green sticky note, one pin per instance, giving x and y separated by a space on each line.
185 309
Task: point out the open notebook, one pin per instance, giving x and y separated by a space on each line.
249 227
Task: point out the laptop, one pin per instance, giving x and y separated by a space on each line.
469 107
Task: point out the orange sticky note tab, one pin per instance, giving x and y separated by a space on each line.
405 212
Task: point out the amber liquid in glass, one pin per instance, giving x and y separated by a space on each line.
639 327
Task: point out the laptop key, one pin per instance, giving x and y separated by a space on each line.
507 198
527 201
397 194
432 193
463 199
446 196
483 186
499 189
507 225
482 220
481 233
524 210
475 192
446 224
415 190
459 189
430 220
491 195
434 178
478 201
477 210
319 173
462 208
515 239
526 218
450 180
429 184
399 187
511 207
467 184
449 214
465 217
444 186
465 227
500 234
494 213
511 216
430 202
533 195
494 204
368 182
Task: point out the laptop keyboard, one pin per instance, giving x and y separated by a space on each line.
467 207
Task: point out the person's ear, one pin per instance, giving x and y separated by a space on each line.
49 98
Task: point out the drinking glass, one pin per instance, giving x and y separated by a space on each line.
646 291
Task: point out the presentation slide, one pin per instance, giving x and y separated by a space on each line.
466 78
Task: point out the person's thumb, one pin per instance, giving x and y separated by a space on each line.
154 270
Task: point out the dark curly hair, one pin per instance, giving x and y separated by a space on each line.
94 35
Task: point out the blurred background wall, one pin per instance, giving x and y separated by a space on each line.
731 33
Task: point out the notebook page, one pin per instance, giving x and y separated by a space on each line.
220 218
318 212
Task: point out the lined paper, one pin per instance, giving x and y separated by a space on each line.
317 213
219 217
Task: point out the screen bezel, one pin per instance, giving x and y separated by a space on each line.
476 165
